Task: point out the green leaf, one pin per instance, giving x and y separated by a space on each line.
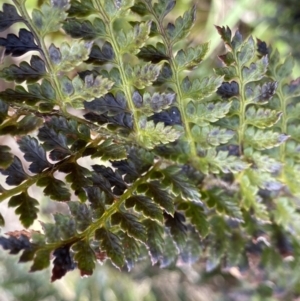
82 215
49 18
284 70
225 34
215 162
36 93
115 8
65 225
181 185
78 177
224 202
133 40
195 212
25 72
262 118
85 257
54 188
85 29
211 136
256 71
292 89
159 195
89 89
229 72
200 88
112 245
74 55
182 26
107 150
285 212
203 114
153 54
41 260
153 103
146 206
130 224
100 56
143 75
81 9
150 135
155 239
247 52
178 229
191 57
8 16
131 250
163 7
260 139
97 201
6 158
34 153
26 208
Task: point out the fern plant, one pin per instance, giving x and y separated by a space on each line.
184 167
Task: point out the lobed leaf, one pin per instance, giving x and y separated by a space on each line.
112 245
15 172
34 153
259 139
182 26
155 239
26 208
199 89
8 16
191 57
85 29
203 114
85 257
54 188
130 224
49 18
17 46
146 206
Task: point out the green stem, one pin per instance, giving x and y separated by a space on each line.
119 61
175 71
49 171
242 107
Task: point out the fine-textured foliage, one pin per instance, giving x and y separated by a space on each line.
184 166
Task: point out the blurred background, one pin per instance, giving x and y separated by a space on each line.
277 22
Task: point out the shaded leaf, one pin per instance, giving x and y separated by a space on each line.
17 46
85 29
15 244
34 153
130 224
146 206
8 16
99 56
177 228
85 257
25 72
155 239
82 215
41 260
153 54
112 244
15 172
62 263
26 208
54 188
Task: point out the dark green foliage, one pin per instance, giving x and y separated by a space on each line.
187 165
